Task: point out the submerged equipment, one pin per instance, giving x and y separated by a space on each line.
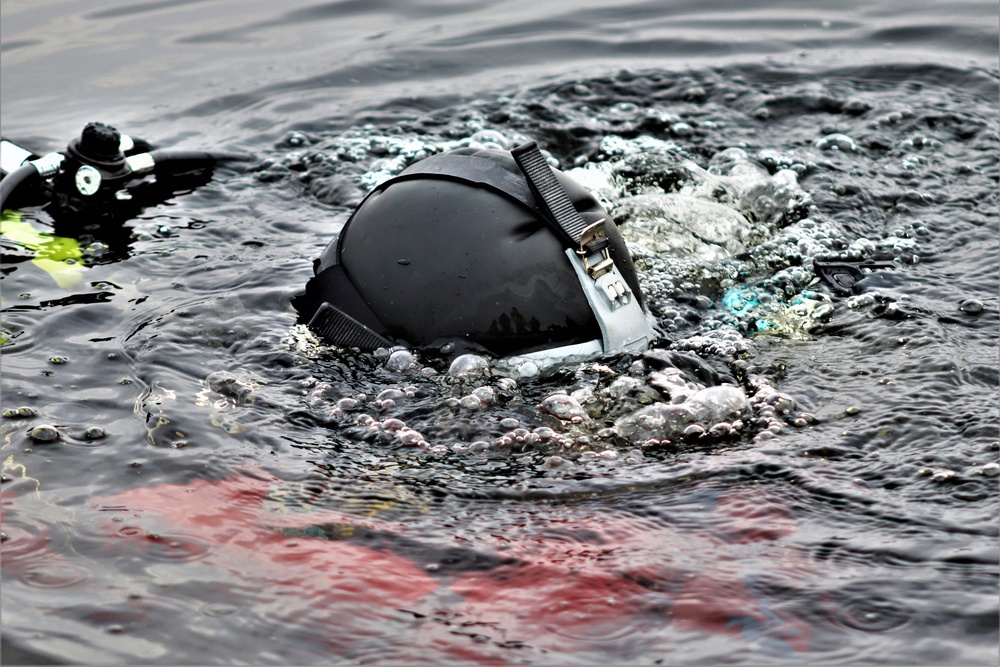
96 167
843 276
492 250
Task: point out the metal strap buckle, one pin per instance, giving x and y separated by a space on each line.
590 235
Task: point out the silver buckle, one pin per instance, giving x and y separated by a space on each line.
623 323
595 232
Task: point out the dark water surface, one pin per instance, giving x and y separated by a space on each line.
222 489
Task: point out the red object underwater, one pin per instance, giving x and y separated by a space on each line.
557 579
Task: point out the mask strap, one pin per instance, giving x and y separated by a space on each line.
588 240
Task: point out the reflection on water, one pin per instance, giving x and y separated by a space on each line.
791 477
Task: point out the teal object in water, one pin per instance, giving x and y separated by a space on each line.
742 302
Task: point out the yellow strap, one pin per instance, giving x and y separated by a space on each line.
58 256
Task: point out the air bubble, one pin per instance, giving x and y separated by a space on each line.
471 402
971 306
681 129
400 360
44 433
295 139
720 430
564 407
990 469
409 437
468 365
694 431
836 141
393 424
390 394
490 139
554 462
527 369
484 394
545 433
348 403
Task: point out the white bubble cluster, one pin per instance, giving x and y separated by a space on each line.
701 412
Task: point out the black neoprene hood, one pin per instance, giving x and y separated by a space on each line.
458 248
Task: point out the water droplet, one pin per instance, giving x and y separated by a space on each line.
874 614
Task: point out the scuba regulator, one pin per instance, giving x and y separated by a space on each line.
99 167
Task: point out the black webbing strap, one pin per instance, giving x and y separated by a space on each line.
338 328
549 193
536 187
473 170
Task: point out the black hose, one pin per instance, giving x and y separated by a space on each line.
14 180
168 160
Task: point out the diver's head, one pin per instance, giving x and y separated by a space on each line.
491 250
